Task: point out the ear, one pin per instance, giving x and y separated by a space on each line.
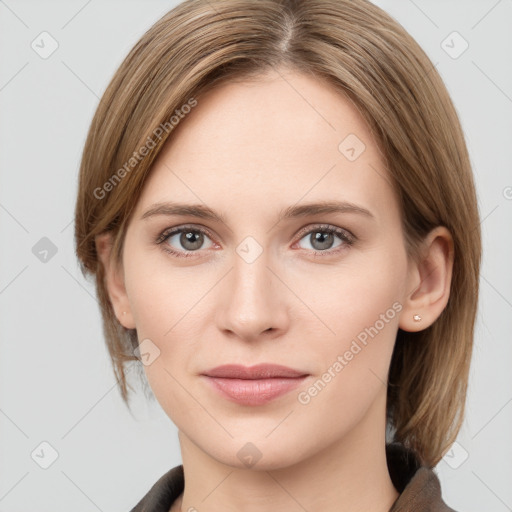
428 282
114 281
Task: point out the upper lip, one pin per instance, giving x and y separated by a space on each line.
259 371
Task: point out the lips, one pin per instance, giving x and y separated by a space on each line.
260 371
254 385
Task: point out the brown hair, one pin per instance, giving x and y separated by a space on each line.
369 57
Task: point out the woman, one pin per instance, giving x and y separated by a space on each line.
275 198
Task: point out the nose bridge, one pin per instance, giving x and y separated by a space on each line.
250 273
252 302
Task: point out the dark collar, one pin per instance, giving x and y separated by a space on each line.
419 487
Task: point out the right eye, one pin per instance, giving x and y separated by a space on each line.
190 239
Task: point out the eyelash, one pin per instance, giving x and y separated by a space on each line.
347 238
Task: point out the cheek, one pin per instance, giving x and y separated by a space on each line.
355 297
161 298
169 309
361 308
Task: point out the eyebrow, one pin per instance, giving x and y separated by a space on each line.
204 212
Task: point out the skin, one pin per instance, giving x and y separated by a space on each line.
248 150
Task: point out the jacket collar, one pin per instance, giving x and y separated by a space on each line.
418 485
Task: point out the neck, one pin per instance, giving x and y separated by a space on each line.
350 475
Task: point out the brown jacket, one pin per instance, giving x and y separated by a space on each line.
418 486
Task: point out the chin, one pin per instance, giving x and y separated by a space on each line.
258 454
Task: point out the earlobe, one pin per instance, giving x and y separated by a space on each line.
429 282
114 281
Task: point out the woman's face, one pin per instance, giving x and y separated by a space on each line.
261 286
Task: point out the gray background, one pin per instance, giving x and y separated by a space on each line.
57 385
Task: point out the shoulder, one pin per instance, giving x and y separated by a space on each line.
418 485
163 493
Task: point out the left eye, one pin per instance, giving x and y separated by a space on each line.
322 239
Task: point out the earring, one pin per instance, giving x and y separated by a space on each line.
417 318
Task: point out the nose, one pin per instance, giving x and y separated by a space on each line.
254 303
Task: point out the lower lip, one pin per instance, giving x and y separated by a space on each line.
255 391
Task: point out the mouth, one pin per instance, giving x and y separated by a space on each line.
254 385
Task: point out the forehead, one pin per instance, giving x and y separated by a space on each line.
273 140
